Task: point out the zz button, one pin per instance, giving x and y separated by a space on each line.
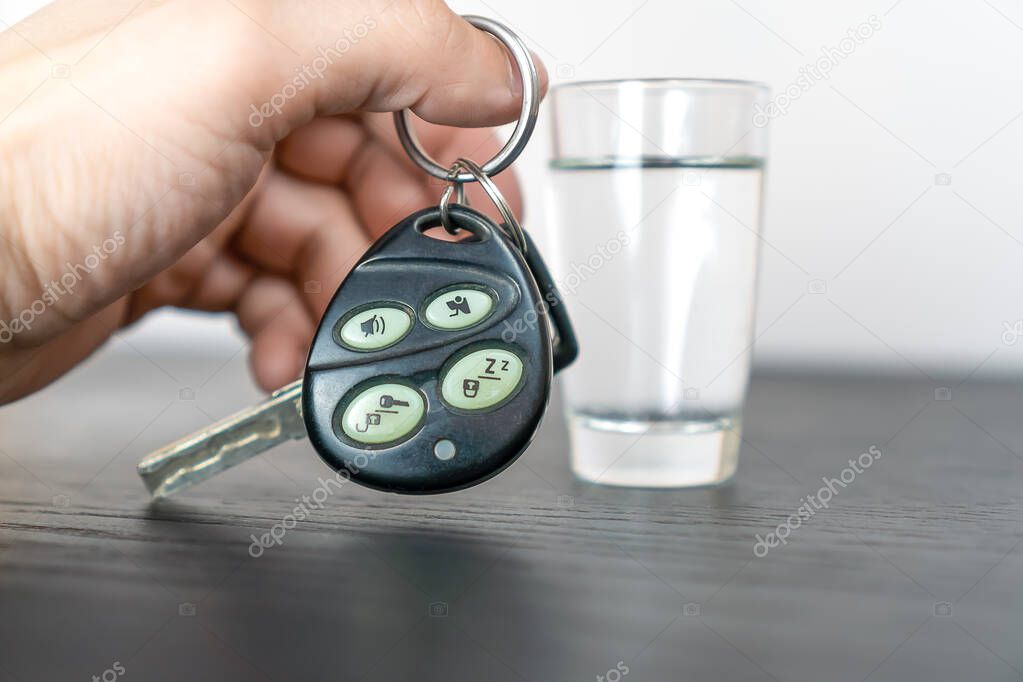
481 379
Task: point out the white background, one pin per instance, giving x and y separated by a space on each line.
918 275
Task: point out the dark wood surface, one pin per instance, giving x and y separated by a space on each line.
913 573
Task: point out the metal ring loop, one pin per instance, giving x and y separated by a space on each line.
527 115
511 224
456 188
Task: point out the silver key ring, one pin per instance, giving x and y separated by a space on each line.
523 128
511 224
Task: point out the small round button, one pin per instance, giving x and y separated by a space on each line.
374 327
458 307
482 379
384 413
444 449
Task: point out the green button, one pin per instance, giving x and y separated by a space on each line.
482 379
459 308
383 413
375 328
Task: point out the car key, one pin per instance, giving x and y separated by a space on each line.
387 401
431 367
397 392
225 444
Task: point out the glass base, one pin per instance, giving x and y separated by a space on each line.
661 454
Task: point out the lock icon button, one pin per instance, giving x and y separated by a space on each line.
383 414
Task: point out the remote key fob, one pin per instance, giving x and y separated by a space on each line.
431 368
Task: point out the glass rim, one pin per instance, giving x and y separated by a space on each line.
722 83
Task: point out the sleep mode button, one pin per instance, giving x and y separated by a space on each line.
482 379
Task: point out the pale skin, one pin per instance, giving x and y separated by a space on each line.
129 142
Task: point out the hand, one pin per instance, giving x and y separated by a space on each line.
219 156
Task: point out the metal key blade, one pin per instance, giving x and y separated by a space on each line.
225 444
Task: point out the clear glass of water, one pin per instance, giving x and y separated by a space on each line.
656 210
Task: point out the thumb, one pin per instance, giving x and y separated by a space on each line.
387 56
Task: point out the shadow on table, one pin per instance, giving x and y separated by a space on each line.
359 604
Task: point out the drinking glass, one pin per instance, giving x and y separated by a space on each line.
656 210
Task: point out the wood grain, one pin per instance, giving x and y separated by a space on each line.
912 572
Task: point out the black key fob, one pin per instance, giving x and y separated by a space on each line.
431 368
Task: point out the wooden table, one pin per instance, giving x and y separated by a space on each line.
913 572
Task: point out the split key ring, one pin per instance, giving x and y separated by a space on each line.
523 128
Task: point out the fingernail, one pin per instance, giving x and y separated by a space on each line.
514 82
514 78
